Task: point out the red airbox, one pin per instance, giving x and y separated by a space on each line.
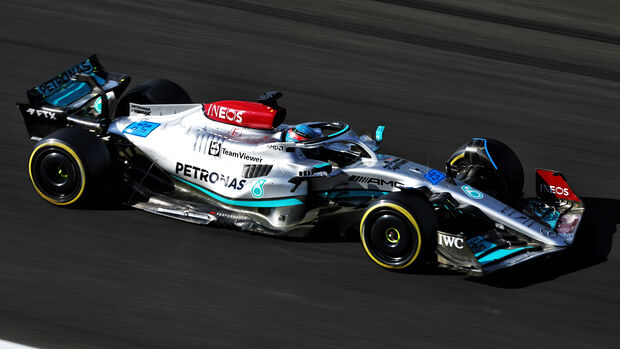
245 114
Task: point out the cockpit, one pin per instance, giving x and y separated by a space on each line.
332 142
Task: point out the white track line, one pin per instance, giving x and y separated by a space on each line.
11 345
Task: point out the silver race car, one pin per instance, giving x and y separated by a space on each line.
236 164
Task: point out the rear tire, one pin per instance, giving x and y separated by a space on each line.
399 231
158 91
69 166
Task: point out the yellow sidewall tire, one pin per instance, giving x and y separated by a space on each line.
55 143
409 217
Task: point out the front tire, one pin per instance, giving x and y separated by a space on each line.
69 166
491 166
399 231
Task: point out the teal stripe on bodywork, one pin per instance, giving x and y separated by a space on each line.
246 203
325 164
499 254
71 92
487 246
347 127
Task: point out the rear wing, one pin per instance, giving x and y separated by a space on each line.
53 91
84 94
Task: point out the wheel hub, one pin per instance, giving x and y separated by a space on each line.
392 235
62 172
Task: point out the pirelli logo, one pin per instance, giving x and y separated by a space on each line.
376 181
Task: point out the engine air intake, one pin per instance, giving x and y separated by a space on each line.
253 171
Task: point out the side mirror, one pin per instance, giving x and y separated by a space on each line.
379 134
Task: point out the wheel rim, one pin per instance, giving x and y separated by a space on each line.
390 237
56 174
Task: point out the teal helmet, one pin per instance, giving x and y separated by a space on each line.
301 133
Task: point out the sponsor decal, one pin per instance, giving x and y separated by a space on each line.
394 164
227 215
450 241
552 189
257 189
235 132
217 111
139 109
508 211
42 113
376 181
276 147
214 148
434 176
141 129
548 232
472 193
211 177
479 245
64 77
551 184
241 155
522 219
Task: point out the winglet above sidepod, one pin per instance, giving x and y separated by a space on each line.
379 134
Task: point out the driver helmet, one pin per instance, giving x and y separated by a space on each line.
301 133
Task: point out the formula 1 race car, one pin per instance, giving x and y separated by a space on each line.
236 164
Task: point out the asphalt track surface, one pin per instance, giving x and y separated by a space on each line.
544 77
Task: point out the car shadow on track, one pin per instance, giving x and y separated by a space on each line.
103 204
591 246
